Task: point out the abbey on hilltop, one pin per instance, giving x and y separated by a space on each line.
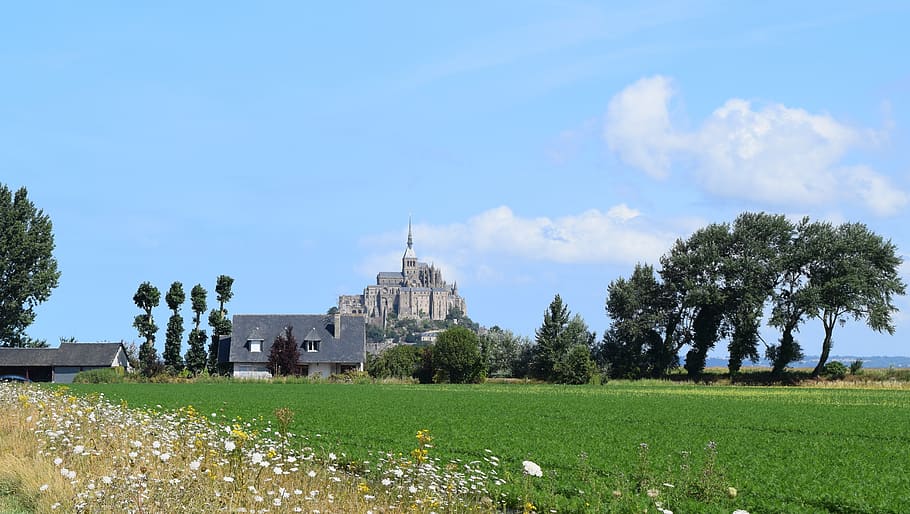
418 291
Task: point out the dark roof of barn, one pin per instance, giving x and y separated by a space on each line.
349 347
68 354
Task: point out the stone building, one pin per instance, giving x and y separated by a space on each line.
418 291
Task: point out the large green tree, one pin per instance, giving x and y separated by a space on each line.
195 354
174 298
218 318
28 270
502 350
456 356
856 276
759 244
399 361
550 343
642 340
147 298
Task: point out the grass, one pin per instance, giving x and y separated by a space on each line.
783 449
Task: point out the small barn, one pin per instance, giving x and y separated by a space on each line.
61 364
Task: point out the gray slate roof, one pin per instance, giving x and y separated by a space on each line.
68 354
350 347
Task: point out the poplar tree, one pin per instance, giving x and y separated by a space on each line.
218 319
174 298
147 298
195 354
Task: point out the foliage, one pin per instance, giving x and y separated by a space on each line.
408 330
456 357
835 370
717 284
856 367
576 367
99 376
284 354
174 298
400 361
640 342
219 320
196 357
502 351
556 336
147 298
549 343
28 269
856 275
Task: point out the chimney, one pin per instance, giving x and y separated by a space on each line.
337 333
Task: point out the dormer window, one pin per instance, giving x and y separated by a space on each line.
311 341
255 345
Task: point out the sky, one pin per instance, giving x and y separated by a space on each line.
540 148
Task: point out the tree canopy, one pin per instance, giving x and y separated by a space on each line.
718 283
28 269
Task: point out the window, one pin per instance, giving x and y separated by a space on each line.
311 346
255 345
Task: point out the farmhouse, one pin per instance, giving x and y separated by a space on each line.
328 343
61 364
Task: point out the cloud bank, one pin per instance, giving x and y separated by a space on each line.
771 153
487 244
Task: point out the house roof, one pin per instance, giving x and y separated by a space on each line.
68 354
87 354
349 347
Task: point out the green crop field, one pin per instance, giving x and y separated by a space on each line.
783 449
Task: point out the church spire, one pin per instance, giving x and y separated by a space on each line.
410 239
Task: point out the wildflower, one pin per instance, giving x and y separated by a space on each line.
229 446
43 488
731 492
386 482
164 457
78 449
740 511
311 474
332 456
532 469
194 465
229 479
277 470
257 458
653 493
664 511
106 479
58 461
412 489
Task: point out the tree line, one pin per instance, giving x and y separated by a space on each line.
720 284
197 358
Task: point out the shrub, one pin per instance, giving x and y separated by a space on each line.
99 376
576 367
835 370
856 367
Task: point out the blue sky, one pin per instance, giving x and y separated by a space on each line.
542 147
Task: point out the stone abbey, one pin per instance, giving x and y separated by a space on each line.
418 291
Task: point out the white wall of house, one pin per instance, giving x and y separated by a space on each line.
321 368
256 370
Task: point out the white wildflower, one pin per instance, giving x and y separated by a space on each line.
532 469
229 446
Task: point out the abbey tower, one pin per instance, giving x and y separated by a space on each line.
418 291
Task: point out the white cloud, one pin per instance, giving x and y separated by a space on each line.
773 154
497 240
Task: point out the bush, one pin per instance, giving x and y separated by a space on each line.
99 376
856 367
576 367
457 357
835 370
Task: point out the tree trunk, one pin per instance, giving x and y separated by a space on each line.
826 345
